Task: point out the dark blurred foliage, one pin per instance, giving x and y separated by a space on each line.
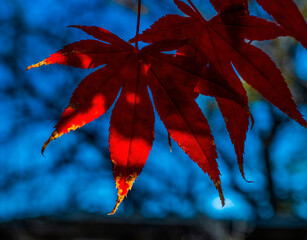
75 179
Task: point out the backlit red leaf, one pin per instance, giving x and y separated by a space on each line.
208 54
92 98
131 128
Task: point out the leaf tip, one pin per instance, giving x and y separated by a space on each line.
53 136
118 202
123 184
302 121
41 63
74 26
169 142
251 117
243 174
218 186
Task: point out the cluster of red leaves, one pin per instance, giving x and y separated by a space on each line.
206 52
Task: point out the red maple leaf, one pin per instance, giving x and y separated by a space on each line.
206 53
132 121
221 44
287 14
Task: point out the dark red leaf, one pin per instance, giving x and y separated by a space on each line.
220 43
248 27
224 5
236 117
185 8
187 125
104 35
287 14
258 70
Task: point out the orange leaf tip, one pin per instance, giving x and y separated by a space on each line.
38 65
124 184
53 136
218 186
118 202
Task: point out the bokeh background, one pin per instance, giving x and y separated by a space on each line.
68 194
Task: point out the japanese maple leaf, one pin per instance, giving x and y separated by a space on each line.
287 14
132 120
220 44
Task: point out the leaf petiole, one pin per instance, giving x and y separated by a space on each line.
197 12
138 26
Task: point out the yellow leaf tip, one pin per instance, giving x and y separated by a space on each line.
118 202
41 63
